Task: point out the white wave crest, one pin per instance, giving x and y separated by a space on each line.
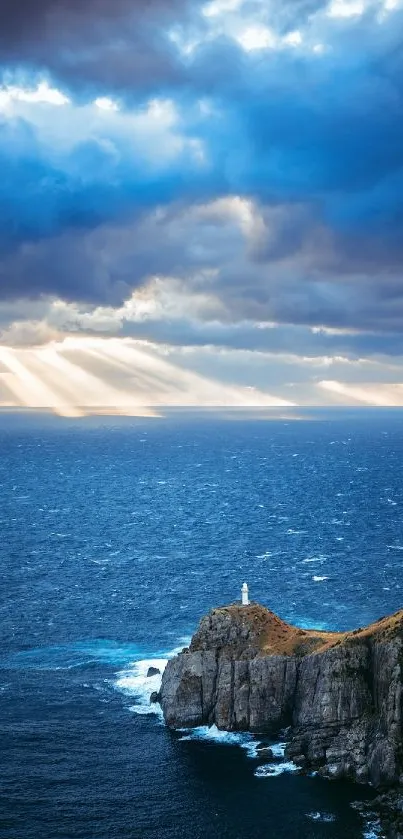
372 831
321 817
134 682
320 558
292 532
216 735
245 740
271 770
278 749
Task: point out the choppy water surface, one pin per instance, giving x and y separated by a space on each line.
116 537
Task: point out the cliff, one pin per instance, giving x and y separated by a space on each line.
340 694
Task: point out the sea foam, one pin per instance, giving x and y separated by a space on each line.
373 830
134 682
272 770
244 740
321 817
216 735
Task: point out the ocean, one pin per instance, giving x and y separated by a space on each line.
117 535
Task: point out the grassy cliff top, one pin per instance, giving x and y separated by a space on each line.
255 630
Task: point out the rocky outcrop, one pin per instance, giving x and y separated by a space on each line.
340 695
347 717
389 808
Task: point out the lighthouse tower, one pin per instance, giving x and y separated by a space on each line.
245 595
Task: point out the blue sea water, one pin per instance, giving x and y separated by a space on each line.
117 535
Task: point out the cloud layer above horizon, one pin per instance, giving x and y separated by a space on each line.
217 184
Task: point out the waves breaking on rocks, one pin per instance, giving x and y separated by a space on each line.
134 682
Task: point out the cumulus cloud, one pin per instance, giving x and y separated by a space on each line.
218 273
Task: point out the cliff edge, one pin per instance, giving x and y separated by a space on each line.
340 694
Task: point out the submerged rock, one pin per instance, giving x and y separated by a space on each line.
340 693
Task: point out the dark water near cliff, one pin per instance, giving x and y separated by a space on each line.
116 536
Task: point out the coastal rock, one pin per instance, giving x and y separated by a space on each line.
340 693
265 751
389 807
153 671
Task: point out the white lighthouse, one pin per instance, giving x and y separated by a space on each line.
245 595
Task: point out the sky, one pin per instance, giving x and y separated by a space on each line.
201 203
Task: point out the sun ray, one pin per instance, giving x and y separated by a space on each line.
30 390
86 389
381 395
76 376
179 385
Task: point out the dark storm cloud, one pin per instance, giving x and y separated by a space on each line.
87 44
221 276
321 130
124 44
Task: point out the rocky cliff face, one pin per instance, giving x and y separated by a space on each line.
339 694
